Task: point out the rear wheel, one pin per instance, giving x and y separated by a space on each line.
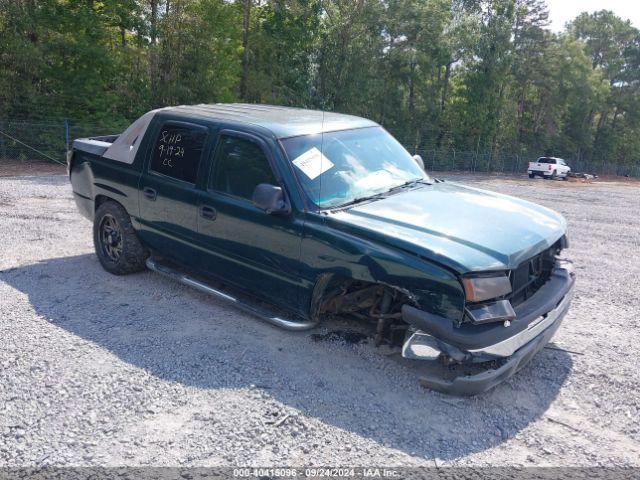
554 175
117 245
531 175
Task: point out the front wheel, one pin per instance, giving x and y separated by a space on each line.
554 175
117 245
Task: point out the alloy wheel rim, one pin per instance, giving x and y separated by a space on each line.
111 238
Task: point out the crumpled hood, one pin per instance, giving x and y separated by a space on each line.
467 229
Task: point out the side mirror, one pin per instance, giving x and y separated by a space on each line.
419 161
270 199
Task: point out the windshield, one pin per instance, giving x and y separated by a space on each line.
349 165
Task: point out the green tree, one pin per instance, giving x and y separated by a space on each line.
612 45
478 75
284 41
198 45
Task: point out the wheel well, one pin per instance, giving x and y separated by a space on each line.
100 199
373 304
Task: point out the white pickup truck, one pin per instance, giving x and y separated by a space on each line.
549 167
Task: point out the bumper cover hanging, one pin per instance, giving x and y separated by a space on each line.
537 321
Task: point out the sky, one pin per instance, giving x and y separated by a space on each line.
562 11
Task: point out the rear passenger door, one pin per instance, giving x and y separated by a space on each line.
246 246
168 189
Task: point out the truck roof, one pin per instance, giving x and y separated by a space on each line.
281 121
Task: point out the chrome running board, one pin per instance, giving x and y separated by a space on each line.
203 287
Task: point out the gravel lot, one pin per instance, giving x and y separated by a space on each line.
105 370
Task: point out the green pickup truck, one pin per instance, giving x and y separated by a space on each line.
298 216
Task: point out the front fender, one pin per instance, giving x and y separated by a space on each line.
432 287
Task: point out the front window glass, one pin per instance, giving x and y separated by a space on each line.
340 167
241 166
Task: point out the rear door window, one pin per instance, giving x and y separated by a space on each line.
177 150
240 166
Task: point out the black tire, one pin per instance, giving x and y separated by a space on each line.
554 175
117 245
531 175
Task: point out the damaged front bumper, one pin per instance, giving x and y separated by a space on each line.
513 346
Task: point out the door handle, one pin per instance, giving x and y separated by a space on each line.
207 212
150 193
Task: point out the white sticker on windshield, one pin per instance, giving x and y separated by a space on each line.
313 163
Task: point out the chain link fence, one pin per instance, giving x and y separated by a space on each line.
29 140
450 159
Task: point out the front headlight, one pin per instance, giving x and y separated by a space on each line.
482 287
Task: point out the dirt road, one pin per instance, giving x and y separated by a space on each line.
105 370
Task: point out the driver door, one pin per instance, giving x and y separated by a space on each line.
244 245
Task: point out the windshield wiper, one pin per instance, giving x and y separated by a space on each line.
359 200
376 196
408 184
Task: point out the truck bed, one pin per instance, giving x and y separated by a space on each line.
94 145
